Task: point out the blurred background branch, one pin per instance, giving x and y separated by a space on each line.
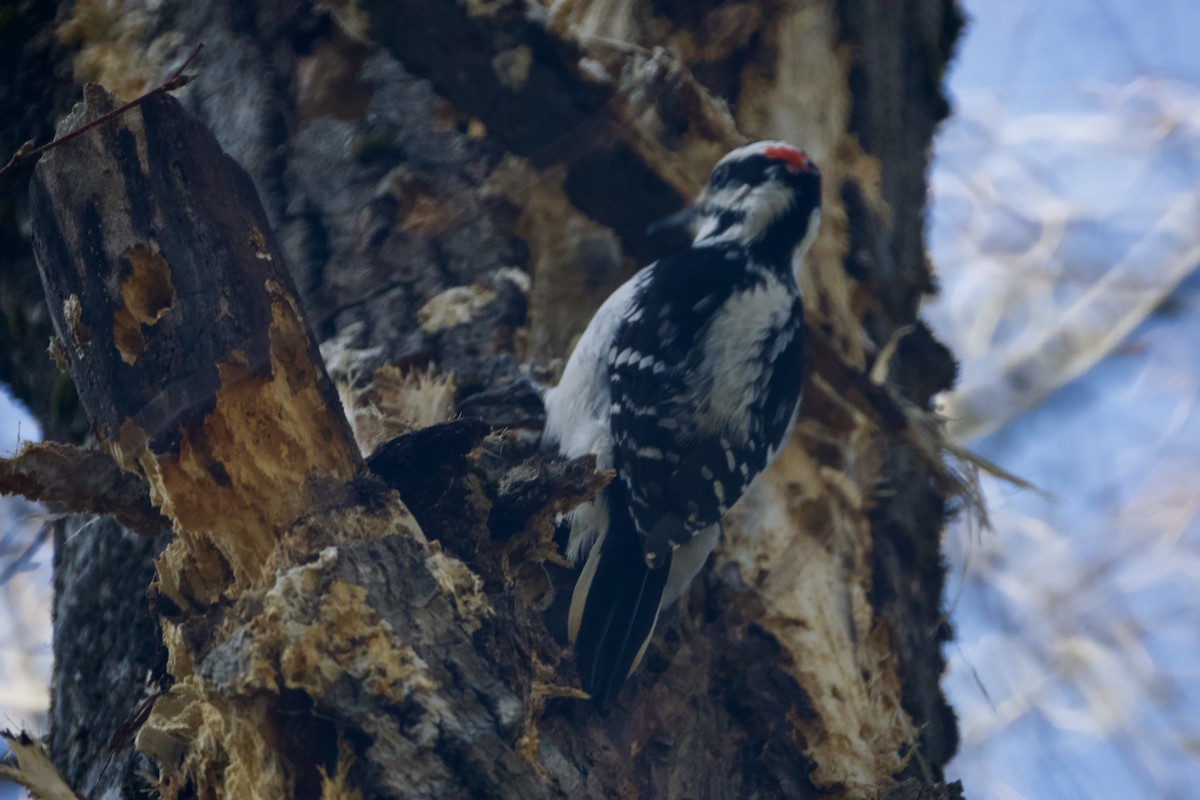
1064 229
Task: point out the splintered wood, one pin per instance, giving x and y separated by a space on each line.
221 402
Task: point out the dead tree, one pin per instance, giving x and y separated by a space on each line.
438 193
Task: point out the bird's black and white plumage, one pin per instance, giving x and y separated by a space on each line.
686 382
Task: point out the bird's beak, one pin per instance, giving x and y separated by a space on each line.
681 222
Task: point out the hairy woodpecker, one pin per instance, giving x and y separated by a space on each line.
686 382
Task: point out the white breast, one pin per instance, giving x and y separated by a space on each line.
577 410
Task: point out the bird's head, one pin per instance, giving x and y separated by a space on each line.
765 195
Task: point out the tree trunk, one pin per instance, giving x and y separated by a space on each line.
448 190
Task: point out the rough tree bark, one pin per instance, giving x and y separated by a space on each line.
448 190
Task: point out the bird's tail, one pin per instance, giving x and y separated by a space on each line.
613 611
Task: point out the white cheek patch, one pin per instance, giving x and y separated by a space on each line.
759 207
765 205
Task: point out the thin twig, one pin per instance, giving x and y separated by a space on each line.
18 564
177 80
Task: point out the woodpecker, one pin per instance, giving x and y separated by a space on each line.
686 383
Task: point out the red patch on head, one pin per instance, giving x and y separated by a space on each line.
796 159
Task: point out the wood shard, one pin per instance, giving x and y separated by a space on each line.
455 306
217 741
259 243
33 768
81 334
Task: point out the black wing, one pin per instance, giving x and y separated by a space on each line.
680 463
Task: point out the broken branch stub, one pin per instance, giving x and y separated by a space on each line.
84 480
180 326
178 322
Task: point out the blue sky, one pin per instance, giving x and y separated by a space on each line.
1065 225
